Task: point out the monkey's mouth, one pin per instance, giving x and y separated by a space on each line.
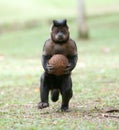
60 38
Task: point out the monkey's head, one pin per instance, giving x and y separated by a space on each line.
59 31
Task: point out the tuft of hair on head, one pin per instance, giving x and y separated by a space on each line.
60 23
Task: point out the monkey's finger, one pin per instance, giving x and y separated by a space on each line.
50 66
66 71
69 65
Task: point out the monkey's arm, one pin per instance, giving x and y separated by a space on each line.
48 68
45 60
47 50
72 61
72 58
72 64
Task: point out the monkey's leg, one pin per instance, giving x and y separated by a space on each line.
66 91
44 92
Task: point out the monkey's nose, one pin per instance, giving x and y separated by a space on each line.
60 36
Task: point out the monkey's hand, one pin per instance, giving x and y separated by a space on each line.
68 69
49 69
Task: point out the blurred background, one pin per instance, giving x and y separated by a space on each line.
30 21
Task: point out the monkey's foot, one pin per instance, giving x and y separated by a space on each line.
42 105
64 108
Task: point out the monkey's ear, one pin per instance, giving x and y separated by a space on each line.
64 22
60 23
55 23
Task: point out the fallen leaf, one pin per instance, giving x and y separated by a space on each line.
98 100
36 90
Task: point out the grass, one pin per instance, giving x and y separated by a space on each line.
95 80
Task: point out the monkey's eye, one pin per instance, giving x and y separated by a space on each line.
63 31
57 31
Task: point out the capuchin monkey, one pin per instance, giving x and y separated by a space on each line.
59 43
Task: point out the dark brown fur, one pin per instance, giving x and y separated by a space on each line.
51 48
59 43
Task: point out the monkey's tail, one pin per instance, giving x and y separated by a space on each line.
54 95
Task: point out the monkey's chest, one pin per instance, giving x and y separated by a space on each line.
60 49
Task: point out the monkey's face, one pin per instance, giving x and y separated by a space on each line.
60 33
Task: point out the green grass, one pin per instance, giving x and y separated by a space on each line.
95 78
